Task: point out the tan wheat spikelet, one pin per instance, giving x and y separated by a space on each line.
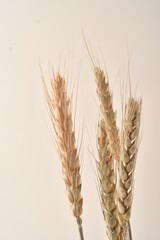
129 150
61 117
107 183
109 116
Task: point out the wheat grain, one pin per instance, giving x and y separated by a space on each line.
129 150
61 117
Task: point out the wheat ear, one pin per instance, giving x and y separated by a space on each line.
128 155
61 117
112 134
107 183
109 116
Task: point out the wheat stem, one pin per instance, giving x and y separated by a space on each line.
130 231
79 222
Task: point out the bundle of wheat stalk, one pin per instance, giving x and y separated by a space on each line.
61 116
117 158
117 152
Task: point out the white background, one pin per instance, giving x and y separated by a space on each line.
33 205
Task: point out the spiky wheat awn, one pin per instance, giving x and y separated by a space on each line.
61 116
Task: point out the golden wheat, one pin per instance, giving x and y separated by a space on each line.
128 154
109 116
61 117
107 183
111 146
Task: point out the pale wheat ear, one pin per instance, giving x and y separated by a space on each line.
107 112
106 105
108 150
129 150
61 117
131 111
107 182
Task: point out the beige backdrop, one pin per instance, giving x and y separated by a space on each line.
33 205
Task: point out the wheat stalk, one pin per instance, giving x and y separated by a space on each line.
61 116
110 148
128 154
107 183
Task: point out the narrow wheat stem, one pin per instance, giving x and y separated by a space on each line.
79 222
61 117
128 155
130 231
